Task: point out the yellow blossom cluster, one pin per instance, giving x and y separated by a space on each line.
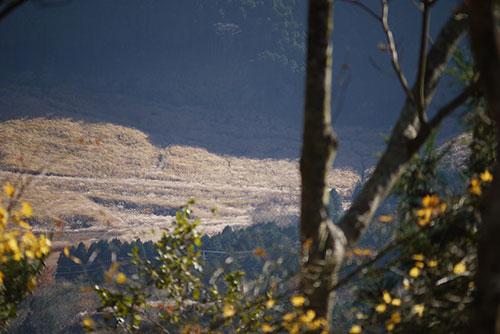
431 207
17 242
475 185
382 307
420 264
389 304
300 319
359 252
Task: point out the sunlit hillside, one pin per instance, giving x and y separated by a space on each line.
104 180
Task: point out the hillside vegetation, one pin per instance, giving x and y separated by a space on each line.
103 180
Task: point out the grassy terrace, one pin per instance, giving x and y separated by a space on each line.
104 180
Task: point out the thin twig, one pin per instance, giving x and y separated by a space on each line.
393 50
365 8
446 110
341 101
7 9
423 61
341 85
453 104
392 245
51 3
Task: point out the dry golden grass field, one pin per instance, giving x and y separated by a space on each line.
99 180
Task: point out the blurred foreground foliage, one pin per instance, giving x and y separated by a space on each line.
21 252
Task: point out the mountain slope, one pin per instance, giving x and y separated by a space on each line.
107 180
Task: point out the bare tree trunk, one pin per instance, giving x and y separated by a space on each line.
323 243
485 42
318 151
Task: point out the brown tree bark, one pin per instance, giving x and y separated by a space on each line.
318 151
485 42
324 243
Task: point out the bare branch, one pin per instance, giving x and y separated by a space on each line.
402 146
393 50
340 104
341 85
378 256
452 105
9 7
13 4
423 61
51 3
365 8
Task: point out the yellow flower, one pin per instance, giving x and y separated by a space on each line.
307 244
430 201
3 215
426 216
294 329
381 308
29 254
475 188
289 316
28 239
121 278
266 328
13 245
228 311
45 245
419 309
316 324
26 210
396 317
396 302
76 260
31 283
260 252
364 252
387 297
270 303
442 207
459 268
298 301
414 272
418 257
9 189
432 263
88 322
308 316
361 316
389 326
385 219
25 225
419 265
356 329
486 176
2 275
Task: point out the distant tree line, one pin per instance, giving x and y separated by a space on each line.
242 245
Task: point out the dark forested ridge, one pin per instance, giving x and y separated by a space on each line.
276 241
219 54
